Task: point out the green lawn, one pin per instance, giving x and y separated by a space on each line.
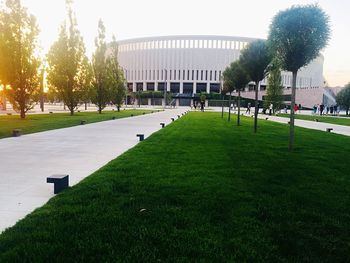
327 119
201 190
43 122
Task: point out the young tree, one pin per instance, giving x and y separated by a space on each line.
274 91
116 76
296 37
67 62
343 98
84 81
255 59
240 81
228 87
19 63
102 92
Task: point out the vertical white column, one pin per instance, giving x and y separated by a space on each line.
144 86
134 86
155 86
181 87
194 87
208 85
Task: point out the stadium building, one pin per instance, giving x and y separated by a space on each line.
188 65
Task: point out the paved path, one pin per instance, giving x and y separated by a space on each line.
26 161
322 126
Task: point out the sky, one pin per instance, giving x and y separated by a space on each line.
141 18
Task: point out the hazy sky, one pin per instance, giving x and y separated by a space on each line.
139 18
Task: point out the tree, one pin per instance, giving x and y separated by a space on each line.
85 81
228 87
297 35
102 93
343 98
19 63
240 81
116 76
67 63
274 91
255 59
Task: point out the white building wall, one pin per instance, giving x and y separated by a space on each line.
144 60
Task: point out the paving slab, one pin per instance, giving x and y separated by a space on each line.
26 161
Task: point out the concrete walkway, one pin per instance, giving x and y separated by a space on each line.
322 126
26 161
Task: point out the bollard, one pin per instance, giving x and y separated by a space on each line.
143 113
172 119
16 132
113 118
266 118
178 116
316 120
141 136
132 115
51 112
82 122
60 181
162 124
329 129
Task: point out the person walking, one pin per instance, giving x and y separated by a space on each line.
270 109
248 109
321 109
296 108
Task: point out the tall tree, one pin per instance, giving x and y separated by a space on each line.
19 62
102 92
240 81
67 62
297 35
116 76
255 59
343 98
274 91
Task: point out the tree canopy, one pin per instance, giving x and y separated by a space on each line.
297 35
68 64
255 59
343 98
19 62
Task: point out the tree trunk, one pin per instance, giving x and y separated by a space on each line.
23 113
291 126
85 105
257 86
118 107
71 112
222 106
229 108
239 108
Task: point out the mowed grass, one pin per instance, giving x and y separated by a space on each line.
201 190
43 122
327 119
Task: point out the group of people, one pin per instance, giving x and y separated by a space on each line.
325 109
200 105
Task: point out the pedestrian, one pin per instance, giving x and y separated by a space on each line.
296 108
331 110
299 107
336 109
248 109
321 109
270 109
202 106
285 109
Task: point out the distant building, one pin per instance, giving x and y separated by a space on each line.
194 64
